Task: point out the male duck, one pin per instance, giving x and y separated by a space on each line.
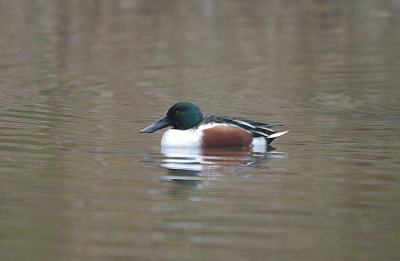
191 129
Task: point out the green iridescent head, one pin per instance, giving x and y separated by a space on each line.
181 116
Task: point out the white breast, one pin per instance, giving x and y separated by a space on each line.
182 138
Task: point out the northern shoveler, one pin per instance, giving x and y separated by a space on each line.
191 129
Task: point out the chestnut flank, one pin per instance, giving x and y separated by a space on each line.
226 136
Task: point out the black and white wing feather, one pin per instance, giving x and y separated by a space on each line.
256 129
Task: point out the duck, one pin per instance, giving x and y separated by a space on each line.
190 129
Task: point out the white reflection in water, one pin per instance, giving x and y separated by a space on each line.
199 165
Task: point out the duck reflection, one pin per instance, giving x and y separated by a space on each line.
195 166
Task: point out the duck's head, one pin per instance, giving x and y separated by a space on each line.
181 116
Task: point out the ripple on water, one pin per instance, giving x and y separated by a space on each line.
28 135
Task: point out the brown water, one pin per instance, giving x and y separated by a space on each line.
79 79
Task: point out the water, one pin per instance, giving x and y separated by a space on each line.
79 79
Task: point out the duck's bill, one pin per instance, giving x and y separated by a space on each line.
161 123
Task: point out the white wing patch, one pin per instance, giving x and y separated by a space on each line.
261 133
244 123
265 128
277 134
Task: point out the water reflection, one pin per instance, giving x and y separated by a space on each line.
193 166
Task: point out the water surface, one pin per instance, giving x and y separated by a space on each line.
79 79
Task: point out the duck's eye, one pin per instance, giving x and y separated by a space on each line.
177 112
